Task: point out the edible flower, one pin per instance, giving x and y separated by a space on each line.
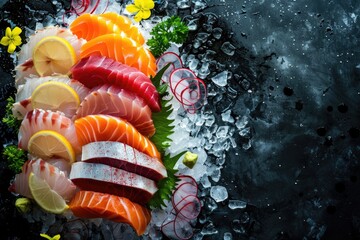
44 235
11 39
141 8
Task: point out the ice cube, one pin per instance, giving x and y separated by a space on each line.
228 48
218 193
226 116
217 32
236 204
222 131
209 229
228 236
242 122
221 78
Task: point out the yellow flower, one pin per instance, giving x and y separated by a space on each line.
11 39
44 235
141 8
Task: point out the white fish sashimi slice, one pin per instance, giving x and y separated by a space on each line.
25 65
119 155
23 96
38 119
57 179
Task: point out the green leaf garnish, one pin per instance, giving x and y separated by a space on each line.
15 157
9 119
172 30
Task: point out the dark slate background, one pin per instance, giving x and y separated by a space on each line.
301 61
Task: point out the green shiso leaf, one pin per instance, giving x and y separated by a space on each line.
164 128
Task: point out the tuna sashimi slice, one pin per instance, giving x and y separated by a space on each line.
123 156
103 178
89 204
122 49
118 102
93 128
39 119
56 179
98 70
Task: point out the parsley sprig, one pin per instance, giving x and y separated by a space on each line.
9 119
15 157
172 30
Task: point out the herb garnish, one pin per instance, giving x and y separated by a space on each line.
9 119
172 30
15 156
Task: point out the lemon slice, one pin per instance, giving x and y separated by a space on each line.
47 198
47 144
55 96
53 55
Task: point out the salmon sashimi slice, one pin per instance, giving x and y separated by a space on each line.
93 128
123 156
118 102
89 204
122 49
23 104
89 26
97 70
125 24
38 119
106 179
57 179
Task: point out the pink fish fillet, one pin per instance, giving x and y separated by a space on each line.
118 102
103 178
98 70
119 155
56 179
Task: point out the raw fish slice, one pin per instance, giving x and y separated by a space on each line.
103 178
25 90
114 101
56 179
123 156
122 49
39 119
88 204
89 26
23 96
25 65
125 24
97 70
93 128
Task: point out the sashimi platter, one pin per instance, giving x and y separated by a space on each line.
102 96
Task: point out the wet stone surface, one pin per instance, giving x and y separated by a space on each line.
280 128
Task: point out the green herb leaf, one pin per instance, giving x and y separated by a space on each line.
166 185
166 32
9 119
15 157
157 80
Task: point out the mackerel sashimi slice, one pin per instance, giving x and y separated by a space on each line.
123 156
118 102
93 128
103 178
56 179
89 204
122 49
38 119
98 70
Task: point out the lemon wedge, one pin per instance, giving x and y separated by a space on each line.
47 144
55 96
47 198
53 54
